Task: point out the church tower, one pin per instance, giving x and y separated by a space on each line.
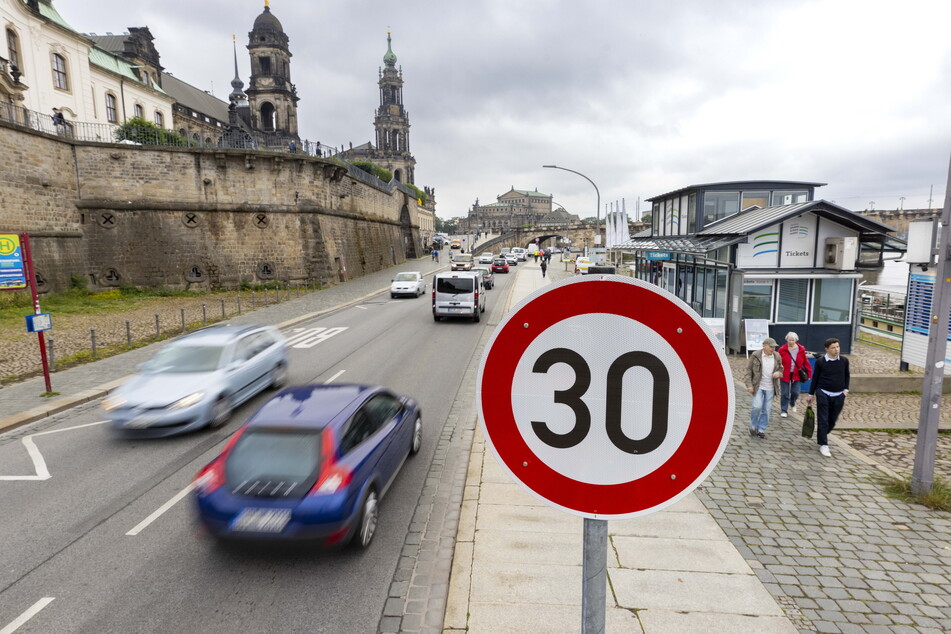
392 121
272 97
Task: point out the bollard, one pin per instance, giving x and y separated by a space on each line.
204 315
222 309
265 295
239 303
288 292
92 335
52 355
183 321
128 335
158 328
253 306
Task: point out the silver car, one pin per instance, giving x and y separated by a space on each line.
408 283
197 380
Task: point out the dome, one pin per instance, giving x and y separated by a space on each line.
267 22
390 58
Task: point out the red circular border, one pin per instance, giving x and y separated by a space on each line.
705 370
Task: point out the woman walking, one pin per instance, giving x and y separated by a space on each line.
795 365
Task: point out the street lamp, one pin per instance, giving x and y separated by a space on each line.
597 235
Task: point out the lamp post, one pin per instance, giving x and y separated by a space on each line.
597 235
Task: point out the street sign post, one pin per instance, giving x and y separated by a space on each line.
605 397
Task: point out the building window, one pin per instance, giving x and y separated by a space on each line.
792 301
139 112
832 301
159 119
60 79
789 197
112 116
717 205
265 65
13 49
757 300
760 199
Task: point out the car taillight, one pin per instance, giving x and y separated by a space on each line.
212 477
333 476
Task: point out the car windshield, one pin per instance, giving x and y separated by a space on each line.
454 284
274 463
175 359
405 277
499 262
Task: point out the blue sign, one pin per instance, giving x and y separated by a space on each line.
658 255
38 323
12 271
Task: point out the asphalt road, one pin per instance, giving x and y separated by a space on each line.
84 538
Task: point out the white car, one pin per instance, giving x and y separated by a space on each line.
511 259
486 258
408 283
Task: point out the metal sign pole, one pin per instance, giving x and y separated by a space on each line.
31 278
922 477
594 576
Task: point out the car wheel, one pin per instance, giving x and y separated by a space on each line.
279 376
477 315
220 412
392 295
417 440
368 520
436 317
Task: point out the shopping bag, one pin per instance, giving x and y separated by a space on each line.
808 422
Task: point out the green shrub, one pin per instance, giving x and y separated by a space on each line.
145 132
371 168
77 281
420 194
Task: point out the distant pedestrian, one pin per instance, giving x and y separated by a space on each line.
433 254
544 267
830 384
794 365
59 121
762 381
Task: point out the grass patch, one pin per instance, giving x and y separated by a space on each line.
938 499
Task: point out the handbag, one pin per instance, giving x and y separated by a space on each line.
803 375
808 422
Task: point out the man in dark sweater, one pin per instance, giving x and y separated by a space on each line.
830 384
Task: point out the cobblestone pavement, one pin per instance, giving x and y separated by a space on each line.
898 450
836 553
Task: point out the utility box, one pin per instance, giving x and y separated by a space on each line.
841 253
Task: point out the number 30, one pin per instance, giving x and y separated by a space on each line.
572 398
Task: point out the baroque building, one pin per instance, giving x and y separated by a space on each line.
514 208
391 123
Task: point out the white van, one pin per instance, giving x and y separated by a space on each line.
458 294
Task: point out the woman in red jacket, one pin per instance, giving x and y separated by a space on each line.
794 358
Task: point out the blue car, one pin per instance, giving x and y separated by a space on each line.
197 380
313 462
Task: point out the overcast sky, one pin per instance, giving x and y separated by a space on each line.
643 97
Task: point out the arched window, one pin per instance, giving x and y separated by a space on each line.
159 119
268 117
13 49
139 112
398 175
60 78
112 114
183 132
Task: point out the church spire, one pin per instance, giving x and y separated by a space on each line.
237 95
390 58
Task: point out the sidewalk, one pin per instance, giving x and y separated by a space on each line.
517 564
778 539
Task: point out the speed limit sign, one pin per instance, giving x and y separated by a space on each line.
605 396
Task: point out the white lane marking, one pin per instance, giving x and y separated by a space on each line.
331 379
310 337
26 616
141 526
39 464
361 307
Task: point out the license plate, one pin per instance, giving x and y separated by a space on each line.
261 520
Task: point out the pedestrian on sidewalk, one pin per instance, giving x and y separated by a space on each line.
830 384
544 268
794 360
762 381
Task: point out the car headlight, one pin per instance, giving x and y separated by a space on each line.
188 401
113 402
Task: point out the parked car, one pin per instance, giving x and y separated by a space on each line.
499 265
313 462
408 283
486 258
487 278
197 380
